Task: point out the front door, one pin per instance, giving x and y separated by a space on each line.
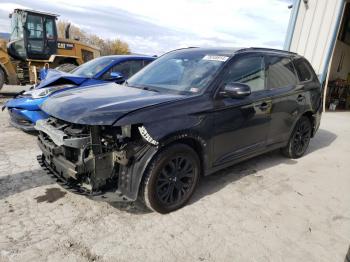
241 125
40 36
34 32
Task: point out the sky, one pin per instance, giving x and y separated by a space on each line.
157 26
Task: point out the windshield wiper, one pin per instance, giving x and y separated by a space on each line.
150 89
143 87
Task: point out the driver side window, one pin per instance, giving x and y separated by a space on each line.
249 70
34 26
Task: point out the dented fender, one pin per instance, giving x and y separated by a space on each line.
160 130
160 134
130 176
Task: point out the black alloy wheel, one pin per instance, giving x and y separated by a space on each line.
171 178
175 180
299 140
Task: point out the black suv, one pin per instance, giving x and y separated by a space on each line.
189 113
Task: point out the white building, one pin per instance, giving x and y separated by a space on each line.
320 31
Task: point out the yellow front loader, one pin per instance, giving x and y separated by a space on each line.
34 44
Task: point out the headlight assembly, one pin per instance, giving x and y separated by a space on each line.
43 92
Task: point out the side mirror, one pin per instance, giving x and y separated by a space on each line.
116 77
235 90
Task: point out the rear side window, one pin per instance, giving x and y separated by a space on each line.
281 72
248 70
303 70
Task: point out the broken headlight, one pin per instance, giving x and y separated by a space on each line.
44 92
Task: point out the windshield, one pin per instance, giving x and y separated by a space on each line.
185 71
93 67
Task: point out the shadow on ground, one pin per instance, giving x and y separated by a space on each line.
322 139
17 183
213 183
217 181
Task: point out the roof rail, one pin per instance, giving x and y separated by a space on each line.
267 49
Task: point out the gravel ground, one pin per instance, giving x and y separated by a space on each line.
266 209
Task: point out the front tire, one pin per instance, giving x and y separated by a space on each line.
170 179
299 140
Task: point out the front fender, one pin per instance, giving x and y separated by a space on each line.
184 130
130 176
162 129
26 103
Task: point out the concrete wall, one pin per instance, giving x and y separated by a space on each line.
313 34
341 56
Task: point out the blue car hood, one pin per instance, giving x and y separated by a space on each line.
102 106
55 77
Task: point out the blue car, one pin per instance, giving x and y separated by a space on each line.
25 109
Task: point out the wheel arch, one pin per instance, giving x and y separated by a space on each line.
195 141
310 115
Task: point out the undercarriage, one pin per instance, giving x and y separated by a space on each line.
102 162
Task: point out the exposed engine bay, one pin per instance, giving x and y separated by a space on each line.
98 161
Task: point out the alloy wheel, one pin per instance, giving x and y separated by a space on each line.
175 180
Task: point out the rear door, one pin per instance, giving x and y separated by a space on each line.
242 125
287 97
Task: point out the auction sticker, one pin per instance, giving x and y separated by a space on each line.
216 58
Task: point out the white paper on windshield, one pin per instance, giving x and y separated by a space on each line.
216 58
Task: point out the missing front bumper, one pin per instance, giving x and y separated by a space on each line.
108 196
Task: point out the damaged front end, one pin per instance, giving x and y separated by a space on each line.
102 162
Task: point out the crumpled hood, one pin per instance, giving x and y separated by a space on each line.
55 77
102 104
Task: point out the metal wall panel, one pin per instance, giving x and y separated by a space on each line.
314 29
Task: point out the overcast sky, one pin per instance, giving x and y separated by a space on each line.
157 26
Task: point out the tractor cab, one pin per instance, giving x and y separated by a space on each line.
33 35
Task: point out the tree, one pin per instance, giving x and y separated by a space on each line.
107 46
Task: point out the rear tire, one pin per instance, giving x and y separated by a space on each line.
299 139
2 78
170 179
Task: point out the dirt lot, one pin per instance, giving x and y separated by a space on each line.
266 209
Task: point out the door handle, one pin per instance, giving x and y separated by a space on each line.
300 98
